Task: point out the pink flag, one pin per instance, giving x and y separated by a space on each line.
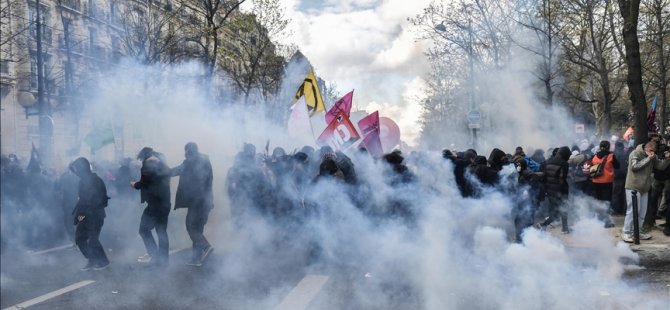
299 126
343 105
370 129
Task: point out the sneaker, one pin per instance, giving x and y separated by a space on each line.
609 225
627 238
146 258
206 253
101 266
565 232
644 236
194 262
88 267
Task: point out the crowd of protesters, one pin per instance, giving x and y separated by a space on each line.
39 206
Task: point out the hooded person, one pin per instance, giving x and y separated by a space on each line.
601 185
194 193
154 186
555 172
485 174
618 204
497 159
89 214
461 163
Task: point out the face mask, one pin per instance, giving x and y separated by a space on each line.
518 168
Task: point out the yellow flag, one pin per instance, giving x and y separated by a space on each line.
310 89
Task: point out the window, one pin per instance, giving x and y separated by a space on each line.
92 38
74 5
46 59
4 66
44 20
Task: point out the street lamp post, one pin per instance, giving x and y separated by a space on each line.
473 116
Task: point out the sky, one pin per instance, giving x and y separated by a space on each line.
367 46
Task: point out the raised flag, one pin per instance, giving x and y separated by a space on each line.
299 126
310 89
99 137
343 105
370 129
340 133
651 117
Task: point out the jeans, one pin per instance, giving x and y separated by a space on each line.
155 219
196 218
87 239
643 199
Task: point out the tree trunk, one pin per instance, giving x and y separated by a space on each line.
630 10
663 68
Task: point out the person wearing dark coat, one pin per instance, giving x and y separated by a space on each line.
194 193
529 194
497 159
602 185
461 164
618 187
485 174
154 186
66 196
556 186
538 156
90 214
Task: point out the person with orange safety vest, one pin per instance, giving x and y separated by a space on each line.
601 187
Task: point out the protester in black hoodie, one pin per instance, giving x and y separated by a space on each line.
155 191
497 159
90 214
556 186
618 191
461 163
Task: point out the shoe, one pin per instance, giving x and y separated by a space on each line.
146 258
565 232
644 236
206 253
194 262
627 238
88 267
666 232
102 266
609 225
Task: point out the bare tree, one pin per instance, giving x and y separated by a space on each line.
149 33
589 42
655 27
250 59
206 19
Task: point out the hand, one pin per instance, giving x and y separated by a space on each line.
652 156
666 155
81 218
132 184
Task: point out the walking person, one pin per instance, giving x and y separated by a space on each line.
195 194
641 163
154 186
90 214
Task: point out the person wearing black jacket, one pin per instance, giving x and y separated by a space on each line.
659 185
529 194
154 186
194 193
461 163
556 186
90 214
618 204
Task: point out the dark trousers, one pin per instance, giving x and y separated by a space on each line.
619 196
524 218
603 192
155 219
196 218
87 239
657 189
557 209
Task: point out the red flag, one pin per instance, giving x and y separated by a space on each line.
339 134
343 105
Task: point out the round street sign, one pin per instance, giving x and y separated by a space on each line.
474 116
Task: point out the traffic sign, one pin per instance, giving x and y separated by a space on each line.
474 116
